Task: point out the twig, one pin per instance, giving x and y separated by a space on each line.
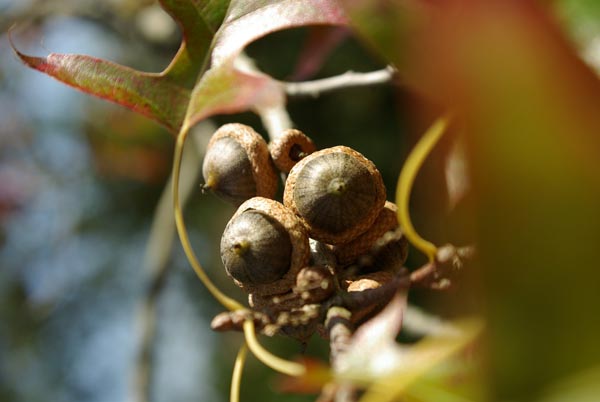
157 268
436 274
340 331
275 117
347 80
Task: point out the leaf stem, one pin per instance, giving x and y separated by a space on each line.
226 301
236 378
276 363
407 177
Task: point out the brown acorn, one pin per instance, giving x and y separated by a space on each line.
289 148
372 241
264 246
337 192
237 165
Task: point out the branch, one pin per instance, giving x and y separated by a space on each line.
448 261
340 331
275 118
347 80
157 267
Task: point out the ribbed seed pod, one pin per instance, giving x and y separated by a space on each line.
388 253
337 192
289 148
386 221
237 165
263 247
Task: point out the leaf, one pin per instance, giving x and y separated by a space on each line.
529 105
373 350
247 21
388 25
582 20
413 363
374 357
227 88
317 375
199 20
161 96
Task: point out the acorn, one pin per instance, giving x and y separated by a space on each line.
289 148
237 165
376 238
337 192
264 246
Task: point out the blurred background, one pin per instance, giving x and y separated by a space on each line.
80 180
86 260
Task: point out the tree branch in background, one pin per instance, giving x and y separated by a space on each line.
156 261
349 79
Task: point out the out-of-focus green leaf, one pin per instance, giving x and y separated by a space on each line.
410 365
160 96
582 21
582 17
317 375
530 106
387 25
373 351
580 387
376 360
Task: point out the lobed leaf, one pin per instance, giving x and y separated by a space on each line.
161 96
247 21
227 89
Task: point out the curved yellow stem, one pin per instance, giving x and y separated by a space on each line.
226 301
236 378
407 177
276 363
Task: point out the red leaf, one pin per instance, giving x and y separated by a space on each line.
247 21
227 89
319 44
160 96
165 96
149 94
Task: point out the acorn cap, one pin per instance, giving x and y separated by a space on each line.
386 220
337 192
237 165
264 246
289 148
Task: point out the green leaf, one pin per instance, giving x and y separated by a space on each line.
388 26
388 368
199 20
161 96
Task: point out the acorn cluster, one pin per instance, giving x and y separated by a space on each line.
333 229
